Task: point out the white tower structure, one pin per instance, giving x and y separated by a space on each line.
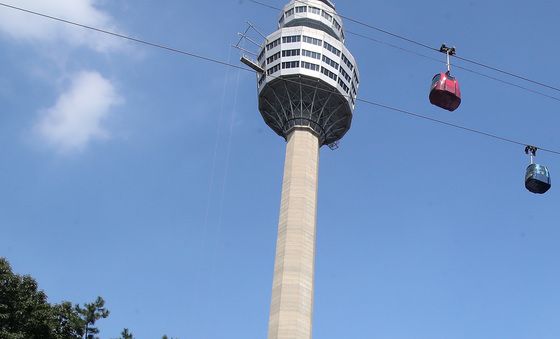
307 91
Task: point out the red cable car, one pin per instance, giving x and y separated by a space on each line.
445 92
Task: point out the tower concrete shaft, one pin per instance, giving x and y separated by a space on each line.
292 291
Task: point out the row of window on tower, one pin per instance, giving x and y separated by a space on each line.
310 66
309 40
304 52
313 10
315 55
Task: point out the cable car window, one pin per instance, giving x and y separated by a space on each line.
436 78
541 170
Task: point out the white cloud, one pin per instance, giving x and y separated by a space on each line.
77 117
27 27
80 113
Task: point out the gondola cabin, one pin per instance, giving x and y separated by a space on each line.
537 179
445 92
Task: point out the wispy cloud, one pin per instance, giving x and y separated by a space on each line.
25 27
79 114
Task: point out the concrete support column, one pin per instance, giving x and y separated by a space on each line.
291 309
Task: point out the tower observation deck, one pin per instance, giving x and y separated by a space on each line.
307 92
311 79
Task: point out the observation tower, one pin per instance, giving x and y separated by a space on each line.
307 87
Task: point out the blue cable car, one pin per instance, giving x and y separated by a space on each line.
537 177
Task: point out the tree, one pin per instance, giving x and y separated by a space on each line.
68 323
126 334
25 312
91 313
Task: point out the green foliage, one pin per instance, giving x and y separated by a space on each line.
126 334
91 313
26 314
68 322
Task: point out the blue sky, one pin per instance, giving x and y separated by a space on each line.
149 178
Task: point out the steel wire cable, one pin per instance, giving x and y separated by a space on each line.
508 73
415 42
435 59
472 130
223 63
423 117
359 23
122 36
530 90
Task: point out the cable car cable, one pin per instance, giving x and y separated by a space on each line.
472 130
381 42
424 117
359 23
438 60
434 59
508 73
197 56
401 37
126 37
429 57
171 49
474 62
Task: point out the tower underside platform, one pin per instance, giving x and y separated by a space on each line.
302 101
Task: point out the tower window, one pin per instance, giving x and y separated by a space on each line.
336 25
329 73
309 65
291 38
313 41
261 55
356 78
315 10
273 44
330 62
332 49
343 85
347 62
273 69
290 52
311 54
290 64
346 76
272 58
